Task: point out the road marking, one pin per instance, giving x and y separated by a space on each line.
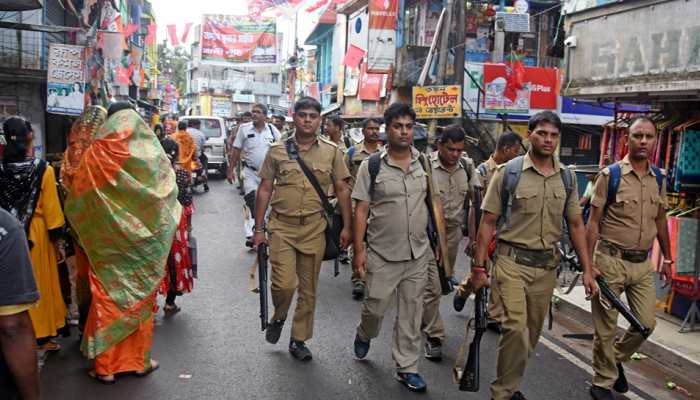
579 363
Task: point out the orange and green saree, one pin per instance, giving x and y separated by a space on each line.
122 204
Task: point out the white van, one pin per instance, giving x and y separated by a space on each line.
214 129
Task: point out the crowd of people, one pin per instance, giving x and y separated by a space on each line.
116 220
123 207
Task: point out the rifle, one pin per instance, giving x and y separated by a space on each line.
436 229
469 382
621 307
262 284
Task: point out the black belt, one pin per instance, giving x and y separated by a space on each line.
633 256
545 258
249 166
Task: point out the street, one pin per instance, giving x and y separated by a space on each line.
214 349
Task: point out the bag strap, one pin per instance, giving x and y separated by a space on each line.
511 177
568 181
659 177
613 182
272 132
350 153
373 167
482 168
293 153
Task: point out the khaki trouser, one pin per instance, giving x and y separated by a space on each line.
525 293
637 281
495 308
406 281
432 322
296 253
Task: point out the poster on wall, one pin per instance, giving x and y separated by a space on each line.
66 80
538 90
437 101
370 85
221 106
382 35
238 40
358 29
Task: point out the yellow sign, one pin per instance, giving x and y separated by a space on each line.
437 101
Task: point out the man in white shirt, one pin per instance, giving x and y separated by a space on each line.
253 139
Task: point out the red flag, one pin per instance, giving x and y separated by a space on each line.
151 37
354 56
515 78
172 32
186 33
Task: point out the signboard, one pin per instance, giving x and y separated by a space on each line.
370 85
382 35
243 98
437 101
238 40
539 91
650 50
358 29
221 106
66 80
514 22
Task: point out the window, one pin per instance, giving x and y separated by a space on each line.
275 77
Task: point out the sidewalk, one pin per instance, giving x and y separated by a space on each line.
666 344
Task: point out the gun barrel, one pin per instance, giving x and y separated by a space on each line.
262 285
622 307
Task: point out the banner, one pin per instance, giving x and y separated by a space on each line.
370 85
382 35
539 91
238 40
437 101
358 34
221 106
66 80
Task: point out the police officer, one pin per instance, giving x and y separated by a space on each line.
456 180
353 158
297 221
333 129
507 147
392 211
526 258
253 139
622 228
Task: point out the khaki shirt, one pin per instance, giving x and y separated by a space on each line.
454 187
491 167
293 194
630 222
360 154
398 214
538 206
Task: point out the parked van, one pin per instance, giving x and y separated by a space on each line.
214 129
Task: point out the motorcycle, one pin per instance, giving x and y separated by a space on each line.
199 176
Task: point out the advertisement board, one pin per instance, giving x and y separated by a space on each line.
66 80
539 90
382 35
238 40
437 101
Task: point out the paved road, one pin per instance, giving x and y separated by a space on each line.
217 340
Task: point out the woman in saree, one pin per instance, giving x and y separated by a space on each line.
179 278
186 146
122 204
28 191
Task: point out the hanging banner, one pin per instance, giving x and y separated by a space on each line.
437 101
382 35
237 40
358 30
66 80
539 90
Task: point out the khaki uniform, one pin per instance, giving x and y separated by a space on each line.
495 309
361 153
630 224
398 254
455 187
296 228
539 204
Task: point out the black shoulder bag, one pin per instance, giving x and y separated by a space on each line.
335 221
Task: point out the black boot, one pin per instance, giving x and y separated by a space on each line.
621 385
299 350
273 331
599 393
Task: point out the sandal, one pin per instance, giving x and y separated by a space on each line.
50 347
171 310
146 372
102 378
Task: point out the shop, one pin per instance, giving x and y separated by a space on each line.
665 85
